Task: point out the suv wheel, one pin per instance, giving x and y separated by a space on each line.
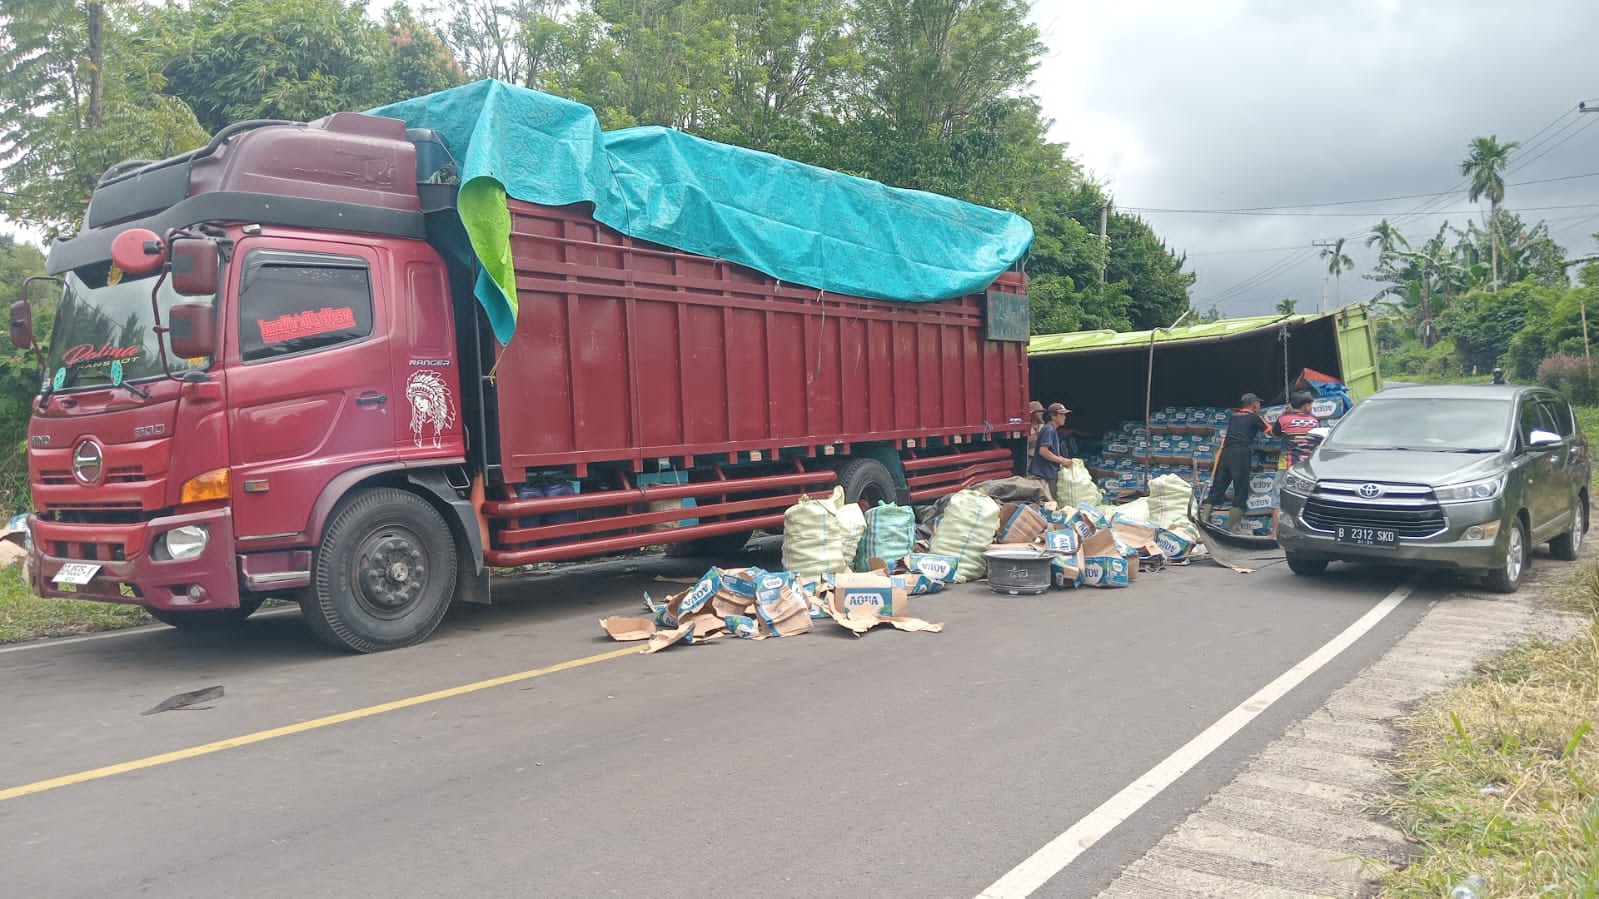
1566 546
1305 567
1507 577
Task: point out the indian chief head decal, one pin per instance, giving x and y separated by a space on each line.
431 411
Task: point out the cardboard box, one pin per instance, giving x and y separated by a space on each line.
1020 523
877 592
781 606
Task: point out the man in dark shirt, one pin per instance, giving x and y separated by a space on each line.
1047 458
1232 463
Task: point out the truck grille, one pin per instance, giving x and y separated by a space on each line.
1409 510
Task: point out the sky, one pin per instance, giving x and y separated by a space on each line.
1229 104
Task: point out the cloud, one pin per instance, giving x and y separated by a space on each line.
1220 105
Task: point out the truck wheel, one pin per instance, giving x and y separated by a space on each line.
208 619
383 575
866 481
1566 546
1304 566
720 545
1507 577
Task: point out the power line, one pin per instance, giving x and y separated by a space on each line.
1443 193
1586 125
1366 214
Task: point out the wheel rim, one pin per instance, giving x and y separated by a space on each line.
1514 555
391 572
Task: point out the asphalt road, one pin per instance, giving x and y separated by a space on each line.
898 764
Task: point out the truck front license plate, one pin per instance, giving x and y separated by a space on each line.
1367 536
76 573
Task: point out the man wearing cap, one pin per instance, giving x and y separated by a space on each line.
1232 463
1047 458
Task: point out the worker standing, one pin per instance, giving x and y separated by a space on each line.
1243 426
1047 458
1035 421
1294 427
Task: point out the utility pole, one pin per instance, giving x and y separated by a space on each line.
1322 310
1104 243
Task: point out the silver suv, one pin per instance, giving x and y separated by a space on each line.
1465 477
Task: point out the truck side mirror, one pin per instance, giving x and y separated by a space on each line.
194 268
21 325
193 330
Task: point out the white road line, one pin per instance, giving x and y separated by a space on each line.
1044 864
50 643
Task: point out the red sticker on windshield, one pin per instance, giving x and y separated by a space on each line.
307 324
88 353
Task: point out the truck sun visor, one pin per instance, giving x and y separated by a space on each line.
794 222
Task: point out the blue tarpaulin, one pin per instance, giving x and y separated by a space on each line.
795 222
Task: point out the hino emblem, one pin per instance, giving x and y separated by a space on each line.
88 461
1369 491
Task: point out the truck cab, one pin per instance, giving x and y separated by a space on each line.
240 330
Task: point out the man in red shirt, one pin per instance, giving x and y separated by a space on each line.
1293 426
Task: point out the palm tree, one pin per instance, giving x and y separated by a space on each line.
1485 166
1385 238
1337 264
1286 306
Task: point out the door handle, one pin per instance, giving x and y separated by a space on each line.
372 399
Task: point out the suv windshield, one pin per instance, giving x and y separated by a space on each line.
103 330
1426 424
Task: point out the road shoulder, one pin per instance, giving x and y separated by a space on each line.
1298 819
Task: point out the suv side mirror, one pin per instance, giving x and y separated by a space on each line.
194 268
1319 434
1541 439
193 330
21 325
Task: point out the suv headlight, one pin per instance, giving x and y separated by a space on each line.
185 542
1298 481
1487 488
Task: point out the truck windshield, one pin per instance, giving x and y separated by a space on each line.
104 330
1425 424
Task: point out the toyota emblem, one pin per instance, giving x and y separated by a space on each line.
88 461
1369 491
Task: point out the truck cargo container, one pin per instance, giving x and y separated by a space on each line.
274 373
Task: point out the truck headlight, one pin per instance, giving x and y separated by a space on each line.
1487 488
1297 481
186 542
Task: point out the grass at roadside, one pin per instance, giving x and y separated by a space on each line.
24 616
1502 773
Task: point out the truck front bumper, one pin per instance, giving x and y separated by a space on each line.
128 571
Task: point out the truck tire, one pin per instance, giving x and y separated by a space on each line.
384 574
720 545
866 481
208 619
1305 566
1567 546
1507 577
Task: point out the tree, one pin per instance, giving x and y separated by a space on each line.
1337 263
1285 306
1485 166
232 60
930 66
78 94
1386 238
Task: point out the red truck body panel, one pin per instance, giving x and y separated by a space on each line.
626 350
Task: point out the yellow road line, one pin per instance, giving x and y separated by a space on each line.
260 736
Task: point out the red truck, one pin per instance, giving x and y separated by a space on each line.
265 379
